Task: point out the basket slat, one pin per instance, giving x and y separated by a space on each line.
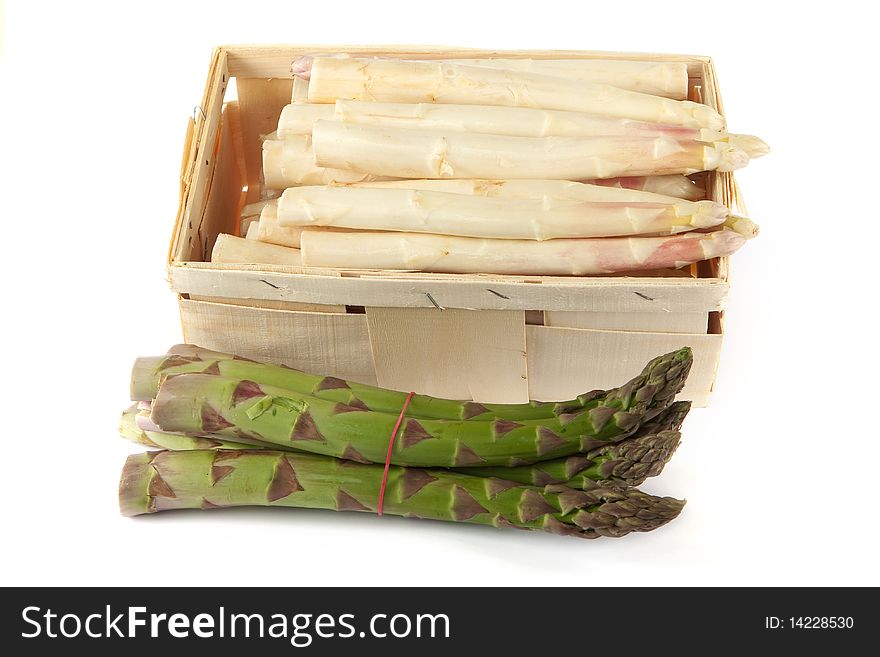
679 322
565 362
456 354
335 344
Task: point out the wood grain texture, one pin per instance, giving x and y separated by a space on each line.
260 102
665 322
410 290
224 195
565 362
456 354
198 172
233 133
273 305
275 60
334 344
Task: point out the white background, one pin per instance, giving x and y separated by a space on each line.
779 471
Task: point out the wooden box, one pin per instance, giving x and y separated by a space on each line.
482 337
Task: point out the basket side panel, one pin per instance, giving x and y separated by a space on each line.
224 200
456 354
261 102
334 344
398 289
676 322
564 362
198 172
273 61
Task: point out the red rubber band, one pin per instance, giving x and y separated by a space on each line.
388 455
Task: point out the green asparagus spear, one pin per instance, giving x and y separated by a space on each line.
244 410
129 430
207 479
148 373
627 463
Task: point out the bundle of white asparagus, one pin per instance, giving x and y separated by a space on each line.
562 167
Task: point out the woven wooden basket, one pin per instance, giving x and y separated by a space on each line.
503 339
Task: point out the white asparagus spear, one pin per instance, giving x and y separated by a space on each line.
250 214
254 209
462 255
252 230
498 120
299 92
614 190
581 192
396 81
403 153
669 79
229 249
271 231
672 185
538 189
246 223
499 217
288 162
298 119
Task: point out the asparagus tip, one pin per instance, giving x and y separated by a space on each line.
302 67
627 511
742 226
708 214
731 157
753 146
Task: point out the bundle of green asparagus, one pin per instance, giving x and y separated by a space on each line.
235 432
467 166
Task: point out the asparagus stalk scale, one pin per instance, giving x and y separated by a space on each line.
207 479
236 408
